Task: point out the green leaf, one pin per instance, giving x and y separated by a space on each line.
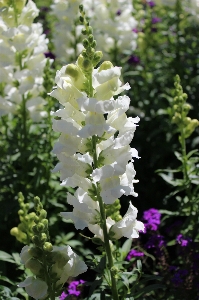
4 256
6 279
126 247
139 264
149 289
191 153
171 243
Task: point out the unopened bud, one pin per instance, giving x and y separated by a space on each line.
35 252
47 247
40 227
87 65
36 240
105 66
43 237
94 44
43 214
72 71
84 32
90 38
21 212
90 30
85 43
45 223
81 19
81 7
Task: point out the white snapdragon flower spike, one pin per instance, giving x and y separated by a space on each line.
22 60
102 118
35 287
112 23
128 227
65 30
66 264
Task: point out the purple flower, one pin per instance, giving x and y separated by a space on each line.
134 59
72 288
135 30
155 20
134 253
172 268
151 3
178 277
49 54
152 216
182 240
118 13
155 241
63 296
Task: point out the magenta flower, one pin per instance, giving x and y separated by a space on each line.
151 3
182 240
179 277
134 253
73 289
155 20
63 296
151 219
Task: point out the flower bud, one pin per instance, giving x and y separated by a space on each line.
43 237
36 219
40 227
43 214
87 65
47 247
94 44
90 30
81 7
32 216
85 43
84 32
81 19
105 65
97 57
90 38
36 240
35 229
45 223
72 70
20 212
35 252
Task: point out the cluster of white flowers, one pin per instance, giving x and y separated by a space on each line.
101 118
22 59
66 264
66 33
112 24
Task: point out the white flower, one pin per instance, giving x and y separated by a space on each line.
128 227
67 263
25 40
97 230
35 287
107 83
86 211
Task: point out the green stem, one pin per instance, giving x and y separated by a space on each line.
184 161
102 208
105 232
51 291
15 12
